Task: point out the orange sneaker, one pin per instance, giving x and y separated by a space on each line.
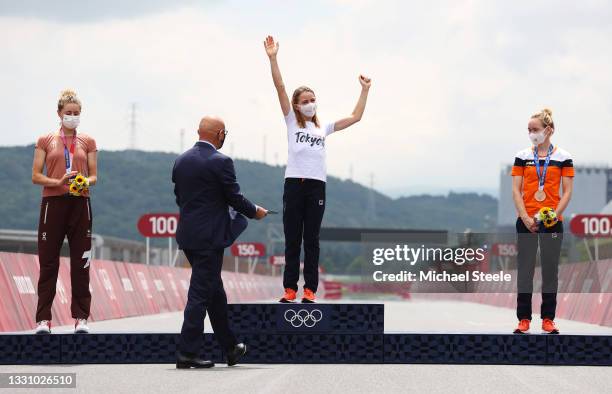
549 327
523 327
290 296
309 296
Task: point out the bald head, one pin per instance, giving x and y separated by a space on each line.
210 125
212 129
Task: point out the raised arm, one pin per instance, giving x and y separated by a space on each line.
355 117
272 51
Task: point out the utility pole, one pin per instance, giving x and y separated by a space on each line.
182 132
372 201
133 126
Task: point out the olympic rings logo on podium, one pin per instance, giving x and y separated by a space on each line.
303 317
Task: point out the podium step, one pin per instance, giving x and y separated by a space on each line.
498 349
307 318
313 333
315 348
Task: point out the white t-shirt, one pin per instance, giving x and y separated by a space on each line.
306 149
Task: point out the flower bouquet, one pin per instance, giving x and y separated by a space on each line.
546 216
79 185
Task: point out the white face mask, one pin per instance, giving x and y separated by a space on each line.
537 138
70 122
309 109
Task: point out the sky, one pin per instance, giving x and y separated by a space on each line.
454 82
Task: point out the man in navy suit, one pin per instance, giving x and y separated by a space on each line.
212 216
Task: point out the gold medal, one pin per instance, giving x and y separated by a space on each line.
540 195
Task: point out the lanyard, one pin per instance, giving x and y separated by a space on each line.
68 151
536 161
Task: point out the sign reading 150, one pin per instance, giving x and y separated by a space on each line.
158 225
599 226
504 249
248 249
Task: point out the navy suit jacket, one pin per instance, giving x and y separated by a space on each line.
206 190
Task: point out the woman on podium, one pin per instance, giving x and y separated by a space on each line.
71 162
305 176
537 176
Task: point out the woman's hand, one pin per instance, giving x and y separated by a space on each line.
64 179
530 223
365 82
271 46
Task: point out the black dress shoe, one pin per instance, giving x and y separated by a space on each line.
235 354
184 361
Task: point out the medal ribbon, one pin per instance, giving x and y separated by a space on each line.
536 161
68 151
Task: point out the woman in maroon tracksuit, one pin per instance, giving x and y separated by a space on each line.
65 153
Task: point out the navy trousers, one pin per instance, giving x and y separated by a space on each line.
549 242
303 208
206 293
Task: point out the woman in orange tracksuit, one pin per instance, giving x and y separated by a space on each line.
537 175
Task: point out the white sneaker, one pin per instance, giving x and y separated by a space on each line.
80 326
43 327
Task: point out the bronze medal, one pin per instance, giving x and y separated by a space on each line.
540 195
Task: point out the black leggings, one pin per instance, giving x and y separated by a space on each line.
550 250
303 208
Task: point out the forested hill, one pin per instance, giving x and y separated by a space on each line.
132 183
